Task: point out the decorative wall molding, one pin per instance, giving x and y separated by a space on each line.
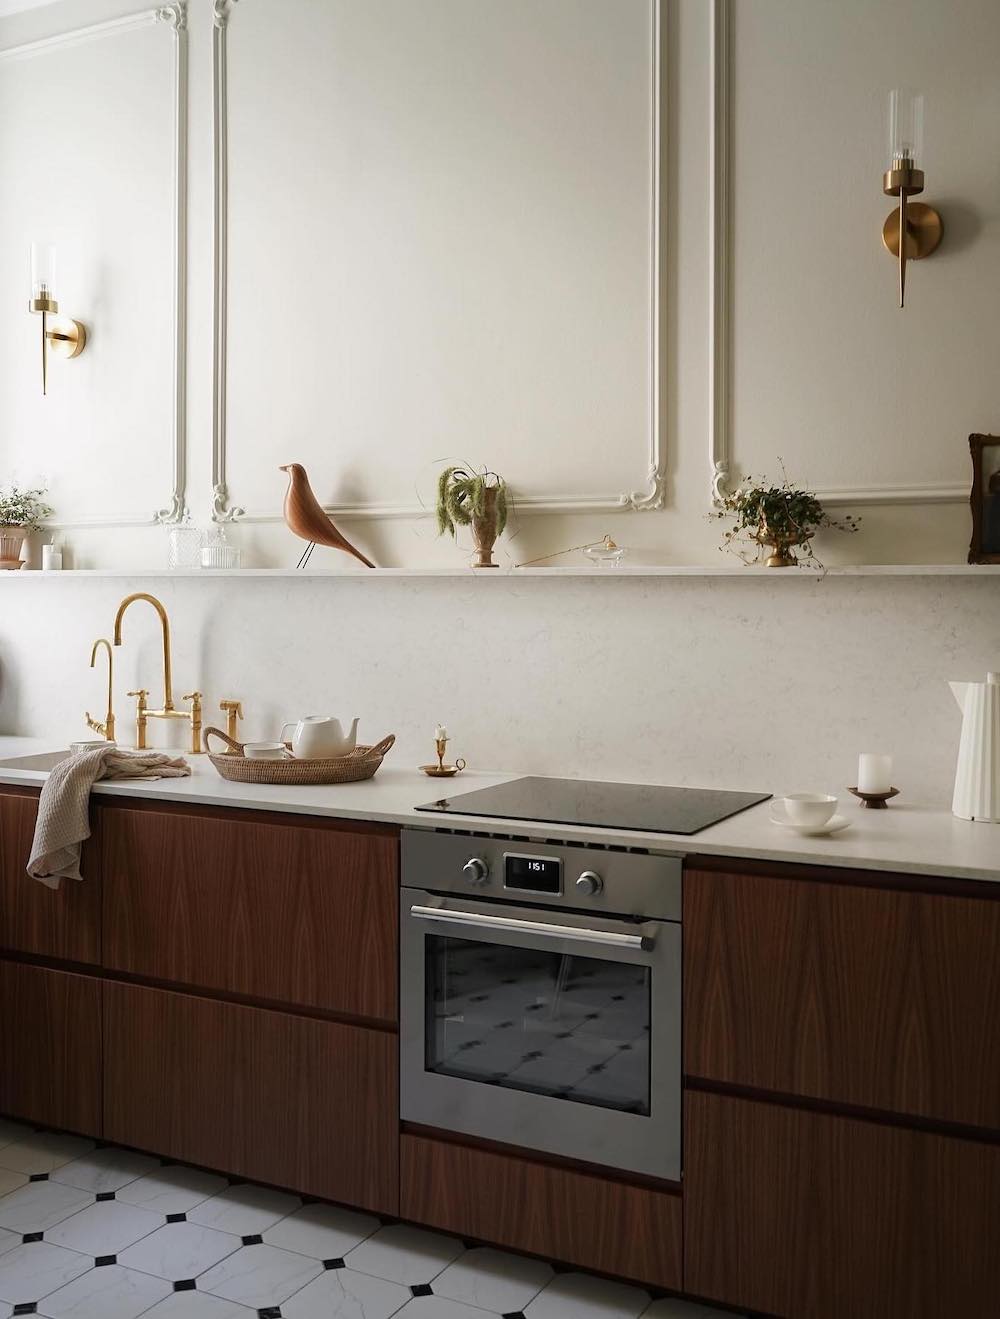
720 257
174 17
652 496
720 311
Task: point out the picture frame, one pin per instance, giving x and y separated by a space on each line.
985 499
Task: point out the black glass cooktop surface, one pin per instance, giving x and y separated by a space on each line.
642 806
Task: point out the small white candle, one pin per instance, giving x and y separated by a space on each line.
874 772
51 558
440 733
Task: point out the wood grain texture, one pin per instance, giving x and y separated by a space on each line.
872 997
50 1047
311 1105
633 1232
270 911
63 923
810 1216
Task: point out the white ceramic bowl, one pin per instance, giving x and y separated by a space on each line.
264 750
813 808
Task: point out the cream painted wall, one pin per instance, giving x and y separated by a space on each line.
825 370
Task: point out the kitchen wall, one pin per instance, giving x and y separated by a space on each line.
755 683
860 399
748 682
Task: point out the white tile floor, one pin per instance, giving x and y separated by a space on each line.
105 1233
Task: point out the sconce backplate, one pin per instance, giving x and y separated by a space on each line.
67 338
923 231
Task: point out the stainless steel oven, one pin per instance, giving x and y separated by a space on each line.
540 997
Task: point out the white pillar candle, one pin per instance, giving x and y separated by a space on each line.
51 558
874 772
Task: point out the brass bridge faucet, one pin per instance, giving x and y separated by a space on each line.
143 713
107 729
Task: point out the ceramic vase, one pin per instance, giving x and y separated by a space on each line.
11 544
484 530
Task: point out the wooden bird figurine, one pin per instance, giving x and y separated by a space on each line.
305 517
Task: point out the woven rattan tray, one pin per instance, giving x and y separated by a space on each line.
233 764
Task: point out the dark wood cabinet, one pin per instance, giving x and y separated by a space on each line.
302 913
61 923
568 1215
858 995
50 1047
280 1098
808 1215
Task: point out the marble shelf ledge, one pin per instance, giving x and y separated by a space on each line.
632 570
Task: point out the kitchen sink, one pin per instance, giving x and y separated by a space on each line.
42 761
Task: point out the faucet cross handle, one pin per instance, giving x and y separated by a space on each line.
195 699
234 712
140 718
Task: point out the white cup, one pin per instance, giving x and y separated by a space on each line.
264 750
815 808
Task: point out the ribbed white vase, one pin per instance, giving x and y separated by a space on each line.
977 777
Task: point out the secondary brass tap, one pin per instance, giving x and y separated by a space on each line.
168 711
233 711
107 729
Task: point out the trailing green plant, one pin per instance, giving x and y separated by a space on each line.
461 497
760 510
23 508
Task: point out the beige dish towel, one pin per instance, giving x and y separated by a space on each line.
63 821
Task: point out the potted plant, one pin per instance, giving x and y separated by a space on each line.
21 511
479 499
781 517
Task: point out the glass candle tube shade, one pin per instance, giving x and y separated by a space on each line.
43 271
906 126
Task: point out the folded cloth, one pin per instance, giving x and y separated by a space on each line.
63 821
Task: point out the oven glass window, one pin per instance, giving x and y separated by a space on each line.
573 1027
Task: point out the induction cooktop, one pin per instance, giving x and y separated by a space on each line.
648 808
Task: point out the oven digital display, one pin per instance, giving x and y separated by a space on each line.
534 874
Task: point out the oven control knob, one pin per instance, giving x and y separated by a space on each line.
589 883
476 871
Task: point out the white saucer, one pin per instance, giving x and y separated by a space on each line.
832 826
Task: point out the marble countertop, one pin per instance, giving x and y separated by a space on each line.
908 837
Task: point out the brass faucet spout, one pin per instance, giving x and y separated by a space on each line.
107 729
168 696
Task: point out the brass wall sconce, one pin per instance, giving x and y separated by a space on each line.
919 225
65 337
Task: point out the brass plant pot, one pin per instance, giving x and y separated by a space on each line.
11 543
781 545
484 530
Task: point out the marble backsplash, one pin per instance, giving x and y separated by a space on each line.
753 683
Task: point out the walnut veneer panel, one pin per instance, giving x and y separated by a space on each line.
278 912
811 1216
63 923
50 1047
874 997
563 1214
295 1101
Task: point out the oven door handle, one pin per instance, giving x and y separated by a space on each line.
479 920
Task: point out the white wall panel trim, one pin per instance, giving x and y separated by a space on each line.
652 495
174 18
720 296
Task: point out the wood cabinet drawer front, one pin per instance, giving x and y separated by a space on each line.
880 998
810 1216
278 912
311 1105
565 1215
50 1047
63 923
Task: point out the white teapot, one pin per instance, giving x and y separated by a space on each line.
320 737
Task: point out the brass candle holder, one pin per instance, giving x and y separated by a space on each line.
441 770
